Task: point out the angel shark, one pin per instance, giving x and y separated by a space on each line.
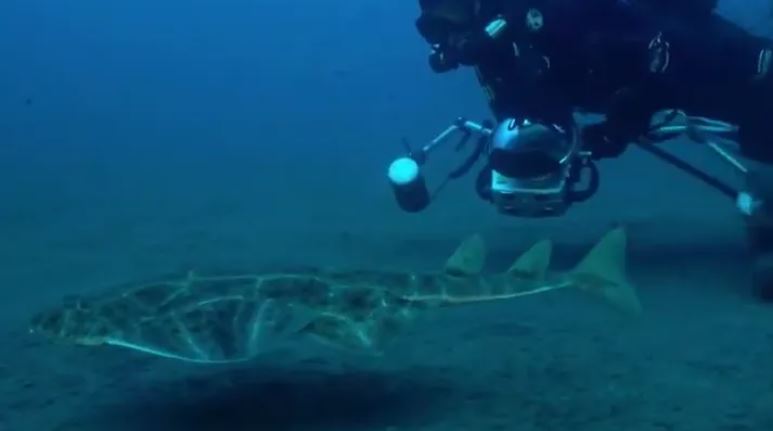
232 318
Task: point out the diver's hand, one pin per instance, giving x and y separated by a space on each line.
602 144
460 50
629 113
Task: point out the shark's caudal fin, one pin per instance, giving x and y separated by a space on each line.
602 273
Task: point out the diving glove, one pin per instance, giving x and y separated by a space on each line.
629 115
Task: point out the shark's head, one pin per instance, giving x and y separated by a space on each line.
74 322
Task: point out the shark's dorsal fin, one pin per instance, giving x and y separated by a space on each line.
533 264
468 259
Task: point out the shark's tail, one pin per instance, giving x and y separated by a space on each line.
602 273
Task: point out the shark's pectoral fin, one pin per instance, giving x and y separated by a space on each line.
468 259
271 323
533 264
602 273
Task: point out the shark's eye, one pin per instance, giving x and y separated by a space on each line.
358 298
46 321
77 302
54 320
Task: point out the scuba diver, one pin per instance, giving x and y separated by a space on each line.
654 69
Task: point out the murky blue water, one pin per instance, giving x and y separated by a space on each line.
141 139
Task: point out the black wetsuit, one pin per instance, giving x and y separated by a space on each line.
623 58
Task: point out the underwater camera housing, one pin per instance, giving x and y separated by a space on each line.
531 169
535 169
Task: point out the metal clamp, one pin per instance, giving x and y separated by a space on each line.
466 127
